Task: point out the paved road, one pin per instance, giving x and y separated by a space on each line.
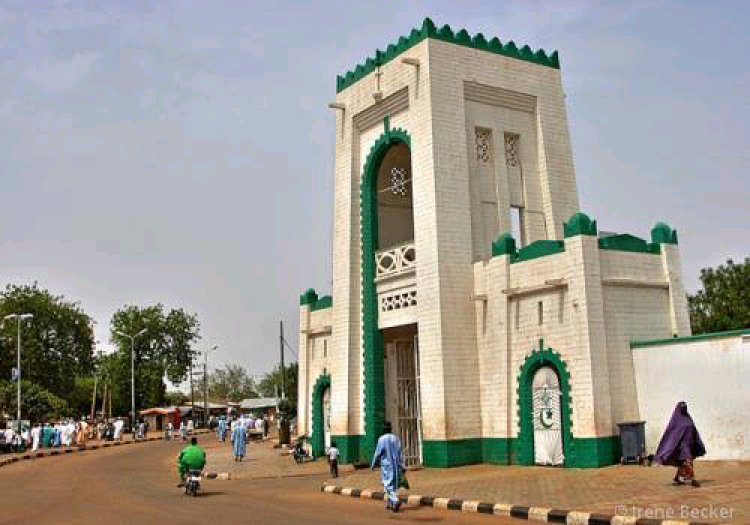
136 485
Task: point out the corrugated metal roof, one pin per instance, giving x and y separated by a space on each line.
258 402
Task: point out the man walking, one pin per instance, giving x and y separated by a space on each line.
333 459
391 459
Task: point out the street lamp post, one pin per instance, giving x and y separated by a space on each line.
132 371
18 318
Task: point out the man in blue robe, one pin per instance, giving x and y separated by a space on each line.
389 455
222 429
239 435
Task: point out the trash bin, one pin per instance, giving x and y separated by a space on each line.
632 441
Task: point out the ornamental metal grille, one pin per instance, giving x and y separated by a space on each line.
398 181
511 149
483 142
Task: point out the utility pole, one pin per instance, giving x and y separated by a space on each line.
93 398
281 347
192 393
205 383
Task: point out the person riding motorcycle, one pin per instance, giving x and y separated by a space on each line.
192 457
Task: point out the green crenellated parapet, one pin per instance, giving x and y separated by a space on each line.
308 297
662 233
504 245
579 224
445 34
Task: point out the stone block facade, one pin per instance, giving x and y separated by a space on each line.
503 275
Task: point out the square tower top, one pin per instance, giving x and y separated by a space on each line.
445 34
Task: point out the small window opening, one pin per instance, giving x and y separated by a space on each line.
325 347
516 225
540 312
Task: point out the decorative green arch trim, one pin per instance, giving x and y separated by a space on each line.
524 444
628 243
372 340
579 224
317 438
446 34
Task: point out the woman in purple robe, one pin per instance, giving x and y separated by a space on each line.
680 445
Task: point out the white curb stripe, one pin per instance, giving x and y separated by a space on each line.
366 494
624 520
577 518
413 499
469 506
440 503
347 491
538 514
501 509
329 488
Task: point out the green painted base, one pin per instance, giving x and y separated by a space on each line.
350 448
584 453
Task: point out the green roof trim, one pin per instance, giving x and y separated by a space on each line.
445 34
686 338
310 298
538 249
323 302
628 243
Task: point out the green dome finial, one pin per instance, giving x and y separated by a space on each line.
504 245
662 233
309 297
579 224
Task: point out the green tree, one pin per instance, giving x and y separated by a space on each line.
57 344
724 302
232 383
270 385
37 404
164 350
175 398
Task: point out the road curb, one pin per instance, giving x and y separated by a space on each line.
69 451
571 517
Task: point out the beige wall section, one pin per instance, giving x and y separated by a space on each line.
493 182
316 349
679 313
711 376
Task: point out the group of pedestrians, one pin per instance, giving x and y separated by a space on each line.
62 433
239 429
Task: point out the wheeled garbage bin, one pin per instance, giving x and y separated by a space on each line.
633 441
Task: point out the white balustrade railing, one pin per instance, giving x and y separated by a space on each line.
395 260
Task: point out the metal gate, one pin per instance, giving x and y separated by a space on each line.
548 443
407 425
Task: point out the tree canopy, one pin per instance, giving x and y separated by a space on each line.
164 350
270 385
231 383
37 404
57 344
724 302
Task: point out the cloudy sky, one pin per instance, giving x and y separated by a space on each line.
183 152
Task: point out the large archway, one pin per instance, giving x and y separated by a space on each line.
390 151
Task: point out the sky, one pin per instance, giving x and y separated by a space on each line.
182 152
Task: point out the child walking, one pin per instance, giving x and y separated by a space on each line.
333 459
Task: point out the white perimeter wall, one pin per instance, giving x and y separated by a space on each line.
711 375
